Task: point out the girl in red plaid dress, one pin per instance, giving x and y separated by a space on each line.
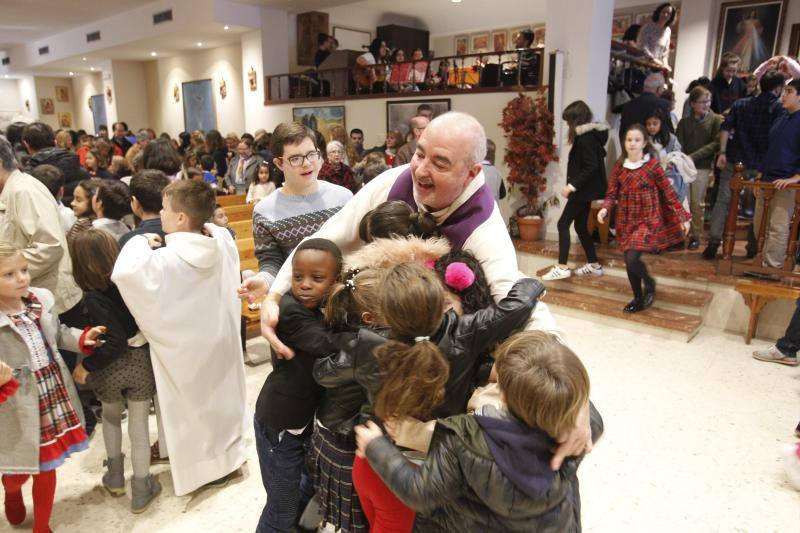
649 217
39 428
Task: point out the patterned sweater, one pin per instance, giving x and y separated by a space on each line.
281 221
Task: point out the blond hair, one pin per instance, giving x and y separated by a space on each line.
544 383
9 250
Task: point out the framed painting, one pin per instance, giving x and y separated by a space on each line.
46 106
320 118
461 45
479 42
199 112
750 29
619 25
538 36
399 113
794 41
65 120
499 40
62 93
643 18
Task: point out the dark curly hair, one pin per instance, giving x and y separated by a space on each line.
395 218
478 295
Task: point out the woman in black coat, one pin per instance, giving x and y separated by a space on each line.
586 181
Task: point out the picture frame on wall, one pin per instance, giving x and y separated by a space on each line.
399 113
320 118
65 120
538 36
794 41
499 40
46 106
199 112
461 45
619 25
643 18
62 93
479 43
751 29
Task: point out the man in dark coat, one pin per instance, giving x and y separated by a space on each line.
637 110
39 140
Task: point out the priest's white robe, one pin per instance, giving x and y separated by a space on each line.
183 297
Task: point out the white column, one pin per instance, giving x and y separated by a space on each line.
695 49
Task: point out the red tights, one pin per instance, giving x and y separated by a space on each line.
384 511
44 491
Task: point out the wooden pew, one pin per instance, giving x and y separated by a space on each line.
757 294
231 200
238 213
243 229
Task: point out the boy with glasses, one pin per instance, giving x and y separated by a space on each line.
297 209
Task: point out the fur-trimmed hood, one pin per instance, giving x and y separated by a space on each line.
382 253
591 126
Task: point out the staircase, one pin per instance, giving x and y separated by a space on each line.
680 304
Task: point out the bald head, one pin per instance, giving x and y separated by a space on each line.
654 83
467 129
418 125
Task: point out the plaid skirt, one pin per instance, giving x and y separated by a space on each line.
61 430
330 464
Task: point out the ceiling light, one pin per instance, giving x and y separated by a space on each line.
226 27
91 68
199 43
83 59
6 76
71 73
153 54
456 1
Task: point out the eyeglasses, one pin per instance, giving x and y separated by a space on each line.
297 160
335 152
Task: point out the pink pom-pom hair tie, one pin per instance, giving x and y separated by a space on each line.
459 276
429 264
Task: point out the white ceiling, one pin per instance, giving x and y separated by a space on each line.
23 21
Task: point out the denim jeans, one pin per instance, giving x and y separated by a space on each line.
283 471
719 215
789 344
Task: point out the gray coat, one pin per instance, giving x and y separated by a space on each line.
19 415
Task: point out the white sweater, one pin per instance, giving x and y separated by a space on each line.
489 242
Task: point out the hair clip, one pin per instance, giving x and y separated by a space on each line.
459 276
349 278
421 339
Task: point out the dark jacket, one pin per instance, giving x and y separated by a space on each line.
724 94
461 339
586 168
290 396
637 110
486 473
67 162
106 308
152 225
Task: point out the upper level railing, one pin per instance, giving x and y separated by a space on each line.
628 68
738 265
511 70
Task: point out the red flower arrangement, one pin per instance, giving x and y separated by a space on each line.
528 127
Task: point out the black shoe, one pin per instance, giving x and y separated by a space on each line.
750 253
634 306
694 244
676 247
711 251
649 294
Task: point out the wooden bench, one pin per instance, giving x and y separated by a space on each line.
231 200
237 213
757 294
248 261
243 229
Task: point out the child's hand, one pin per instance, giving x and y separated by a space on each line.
6 373
90 339
80 374
577 441
687 227
364 435
153 240
253 288
566 191
601 215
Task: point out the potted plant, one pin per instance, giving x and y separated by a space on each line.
528 127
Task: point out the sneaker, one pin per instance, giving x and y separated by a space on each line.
589 269
774 355
557 273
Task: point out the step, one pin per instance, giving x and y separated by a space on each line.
619 286
662 319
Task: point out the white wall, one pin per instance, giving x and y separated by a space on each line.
165 114
130 94
46 88
83 87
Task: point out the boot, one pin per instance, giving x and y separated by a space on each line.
144 491
711 250
114 478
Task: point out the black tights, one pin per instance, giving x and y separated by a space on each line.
577 212
637 272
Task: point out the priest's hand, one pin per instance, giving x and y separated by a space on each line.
270 310
80 374
253 288
365 434
578 441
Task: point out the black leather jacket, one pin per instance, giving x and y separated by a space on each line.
352 377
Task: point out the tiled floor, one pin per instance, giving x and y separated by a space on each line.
692 432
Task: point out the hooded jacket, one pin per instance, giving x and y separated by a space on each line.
461 340
67 162
487 473
586 167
